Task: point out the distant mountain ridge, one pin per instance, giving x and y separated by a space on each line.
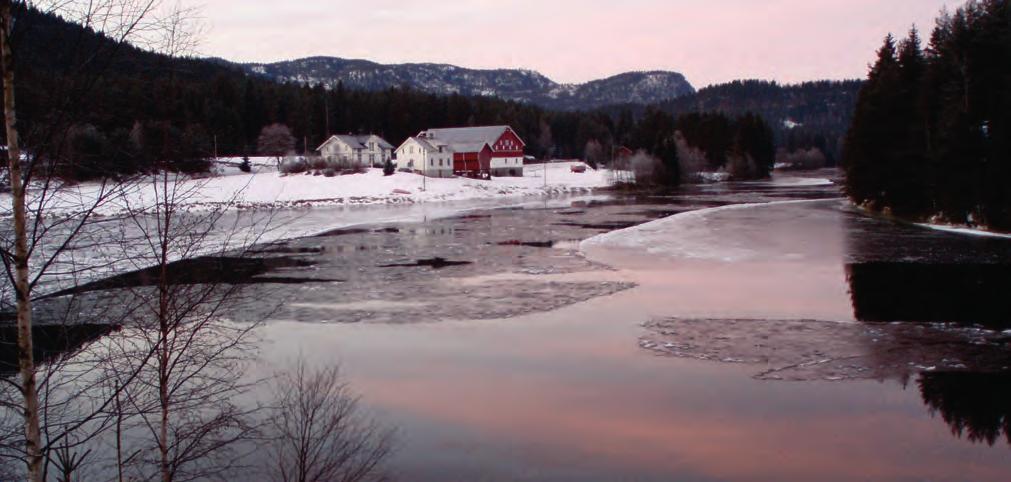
512 84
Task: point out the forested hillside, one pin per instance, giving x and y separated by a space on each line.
810 114
133 110
930 137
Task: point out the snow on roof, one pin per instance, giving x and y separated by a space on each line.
468 135
357 141
424 143
427 145
468 147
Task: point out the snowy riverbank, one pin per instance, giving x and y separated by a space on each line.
265 188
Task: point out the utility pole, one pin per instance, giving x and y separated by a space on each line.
326 113
215 147
547 161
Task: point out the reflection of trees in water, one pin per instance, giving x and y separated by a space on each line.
976 406
904 273
899 272
49 342
925 292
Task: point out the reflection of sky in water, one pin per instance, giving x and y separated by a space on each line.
567 394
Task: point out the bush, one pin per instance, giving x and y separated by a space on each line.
318 163
802 159
293 165
354 170
329 172
646 169
389 168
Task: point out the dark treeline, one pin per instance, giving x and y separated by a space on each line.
697 142
143 110
802 116
930 136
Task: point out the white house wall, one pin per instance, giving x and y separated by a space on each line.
413 156
507 163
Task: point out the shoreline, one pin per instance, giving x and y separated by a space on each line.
963 229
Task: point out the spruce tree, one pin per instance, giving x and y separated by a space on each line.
869 140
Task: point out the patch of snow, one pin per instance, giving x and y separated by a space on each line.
964 230
793 181
712 176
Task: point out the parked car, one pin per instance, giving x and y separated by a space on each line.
580 168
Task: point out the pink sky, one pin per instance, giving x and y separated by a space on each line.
709 41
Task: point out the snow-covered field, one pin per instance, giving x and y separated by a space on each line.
266 188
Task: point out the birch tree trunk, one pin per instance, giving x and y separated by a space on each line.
26 364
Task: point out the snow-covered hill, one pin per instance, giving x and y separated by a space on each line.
512 84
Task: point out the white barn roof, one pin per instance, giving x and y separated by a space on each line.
468 136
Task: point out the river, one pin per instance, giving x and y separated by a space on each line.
751 331
729 346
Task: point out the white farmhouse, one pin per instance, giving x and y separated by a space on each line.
370 150
423 157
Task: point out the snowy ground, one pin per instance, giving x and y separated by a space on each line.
965 230
266 188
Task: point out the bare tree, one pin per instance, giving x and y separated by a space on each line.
545 140
180 415
801 159
275 140
318 433
20 257
645 168
691 160
182 404
594 153
51 222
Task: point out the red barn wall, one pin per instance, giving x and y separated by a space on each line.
508 145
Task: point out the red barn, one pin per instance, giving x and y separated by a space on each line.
623 153
481 151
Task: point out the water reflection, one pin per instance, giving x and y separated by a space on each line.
899 272
902 273
971 293
977 406
48 342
